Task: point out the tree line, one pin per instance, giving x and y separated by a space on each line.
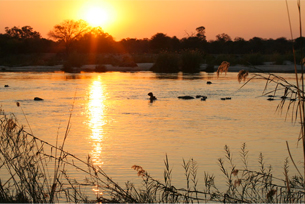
78 37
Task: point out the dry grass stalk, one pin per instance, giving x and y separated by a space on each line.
27 161
295 91
243 185
29 183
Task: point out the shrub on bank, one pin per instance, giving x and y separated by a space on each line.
191 61
166 63
74 60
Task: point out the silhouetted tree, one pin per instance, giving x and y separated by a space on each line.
223 37
201 33
300 41
134 45
78 36
175 43
160 42
257 45
279 45
239 46
22 33
195 41
95 40
191 43
23 40
222 44
69 31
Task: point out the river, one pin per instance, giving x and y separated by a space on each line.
114 122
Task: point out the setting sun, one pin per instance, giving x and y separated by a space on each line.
96 16
97 13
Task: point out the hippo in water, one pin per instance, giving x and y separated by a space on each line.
152 97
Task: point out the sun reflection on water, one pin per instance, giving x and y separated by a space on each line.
96 107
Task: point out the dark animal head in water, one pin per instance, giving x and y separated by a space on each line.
152 97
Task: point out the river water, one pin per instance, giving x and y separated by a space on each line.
114 122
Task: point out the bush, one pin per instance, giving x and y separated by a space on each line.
191 61
127 61
166 63
74 60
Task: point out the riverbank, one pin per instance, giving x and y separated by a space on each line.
267 67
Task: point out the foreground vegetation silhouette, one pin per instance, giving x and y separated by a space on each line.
39 172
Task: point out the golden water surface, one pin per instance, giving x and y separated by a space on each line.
114 122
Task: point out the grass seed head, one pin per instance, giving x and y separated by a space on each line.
242 75
234 172
237 182
223 67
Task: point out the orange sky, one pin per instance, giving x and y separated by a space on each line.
144 18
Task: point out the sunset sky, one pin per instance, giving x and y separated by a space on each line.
144 18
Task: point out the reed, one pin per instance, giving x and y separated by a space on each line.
223 67
292 99
38 171
243 184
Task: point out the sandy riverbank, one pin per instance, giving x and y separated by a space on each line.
267 67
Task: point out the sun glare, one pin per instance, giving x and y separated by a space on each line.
96 119
97 13
96 16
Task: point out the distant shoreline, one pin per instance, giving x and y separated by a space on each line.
267 67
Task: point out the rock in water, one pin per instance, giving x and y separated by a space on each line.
186 97
38 99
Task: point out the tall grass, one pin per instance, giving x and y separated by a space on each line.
38 172
292 96
242 184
